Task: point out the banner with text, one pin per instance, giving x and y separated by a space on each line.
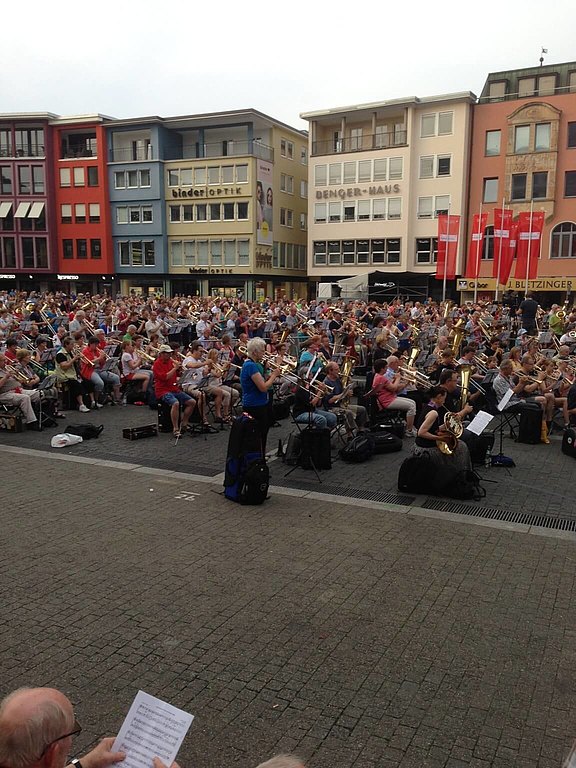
530 226
507 259
448 229
476 244
501 240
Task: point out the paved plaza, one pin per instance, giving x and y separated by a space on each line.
354 633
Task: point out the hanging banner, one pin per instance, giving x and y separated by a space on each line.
264 203
501 241
476 244
507 260
530 226
448 229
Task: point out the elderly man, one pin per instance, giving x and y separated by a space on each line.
11 393
36 730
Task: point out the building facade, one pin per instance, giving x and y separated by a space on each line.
524 154
379 176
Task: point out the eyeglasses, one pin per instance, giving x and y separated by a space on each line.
75 732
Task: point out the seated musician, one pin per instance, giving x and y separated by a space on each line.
224 396
272 345
450 381
91 369
11 349
45 367
166 372
355 416
32 382
554 381
13 394
446 361
194 380
132 369
66 361
309 356
431 431
207 339
324 347
525 389
308 398
387 383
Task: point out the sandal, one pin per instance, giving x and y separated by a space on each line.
177 433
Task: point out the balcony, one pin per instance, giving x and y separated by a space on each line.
219 149
366 143
22 150
132 154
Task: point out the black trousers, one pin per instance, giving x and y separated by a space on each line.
262 415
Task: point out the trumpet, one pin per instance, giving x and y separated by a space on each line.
77 351
414 376
16 374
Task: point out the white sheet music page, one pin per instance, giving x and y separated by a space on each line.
152 728
479 422
505 400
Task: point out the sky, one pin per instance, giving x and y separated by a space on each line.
137 57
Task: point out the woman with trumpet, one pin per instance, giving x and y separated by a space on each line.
224 397
131 361
387 384
255 387
66 360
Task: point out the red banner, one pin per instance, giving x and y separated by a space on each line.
506 265
475 246
530 228
448 229
501 240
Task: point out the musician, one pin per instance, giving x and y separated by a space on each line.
132 369
66 372
194 379
525 390
431 431
555 323
78 323
554 382
207 339
11 347
48 394
13 394
91 369
528 311
309 355
255 387
356 416
155 326
450 381
308 398
166 371
224 396
387 384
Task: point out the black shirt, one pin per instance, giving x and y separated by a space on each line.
529 308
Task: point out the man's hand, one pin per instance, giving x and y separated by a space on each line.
159 764
102 756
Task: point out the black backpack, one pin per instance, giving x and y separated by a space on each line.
359 449
85 431
246 477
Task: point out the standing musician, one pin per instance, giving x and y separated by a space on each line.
431 431
167 390
387 383
12 392
255 387
356 416
66 372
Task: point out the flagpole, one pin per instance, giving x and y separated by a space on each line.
446 252
529 249
477 253
496 295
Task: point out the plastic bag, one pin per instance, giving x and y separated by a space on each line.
65 439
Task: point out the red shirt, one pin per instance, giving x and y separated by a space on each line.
163 384
383 386
86 370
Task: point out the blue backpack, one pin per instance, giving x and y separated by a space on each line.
247 477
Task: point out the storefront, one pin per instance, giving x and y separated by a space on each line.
411 286
546 290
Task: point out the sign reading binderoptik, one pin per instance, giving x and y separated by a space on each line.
342 193
209 192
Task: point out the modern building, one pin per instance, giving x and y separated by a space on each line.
524 154
379 176
209 204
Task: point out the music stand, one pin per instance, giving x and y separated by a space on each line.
500 460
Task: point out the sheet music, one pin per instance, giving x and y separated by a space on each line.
480 422
505 400
152 728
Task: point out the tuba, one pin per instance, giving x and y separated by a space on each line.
453 426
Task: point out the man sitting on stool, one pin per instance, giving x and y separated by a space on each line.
168 391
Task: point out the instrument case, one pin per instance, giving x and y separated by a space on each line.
137 433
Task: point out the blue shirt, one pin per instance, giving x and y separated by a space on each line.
251 395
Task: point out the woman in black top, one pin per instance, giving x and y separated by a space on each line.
431 430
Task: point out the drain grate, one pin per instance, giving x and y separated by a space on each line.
352 493
493 513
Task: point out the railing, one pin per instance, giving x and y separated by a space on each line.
529 94
220 149
71 153
23 150
371 141
131 154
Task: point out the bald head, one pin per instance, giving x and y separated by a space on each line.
30 720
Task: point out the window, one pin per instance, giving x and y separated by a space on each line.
363 210
213 174
149 253
6 143
243 252
334 212
135 215
304 155
427 167
355 139
497 90
350 173
68 249
227 174
424 210
38 179
380 167
320 177
349 211
200 176
426 250
65 177
147 214
492 147
526 86
522 138
241 174
563 244
335 173
81 249
201 212
445 120
570 184
79 177
136 253
427 126
441 204
174 213
304 189
176 253
132 179
572 82
287 183
303 221
216 253
542 139
173 178
282 254
5 180
122 215
378 249
320 250
214 211
228 211
95 248
488 244
92 176
490 194
518 186
348 251
395 168
539 185
80 213
334 252
444 162
30 143
546 85
394 208
119 179
66 214
393 250
287 149
365 170
242 209
571 135
24 180
229 253
378 209
362 251
289 218
187 213
319 213
144 177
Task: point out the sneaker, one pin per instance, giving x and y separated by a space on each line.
82 408
410 433
99 405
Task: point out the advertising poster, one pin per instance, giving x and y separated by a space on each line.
264 203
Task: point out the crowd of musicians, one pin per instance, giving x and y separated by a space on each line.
433 363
